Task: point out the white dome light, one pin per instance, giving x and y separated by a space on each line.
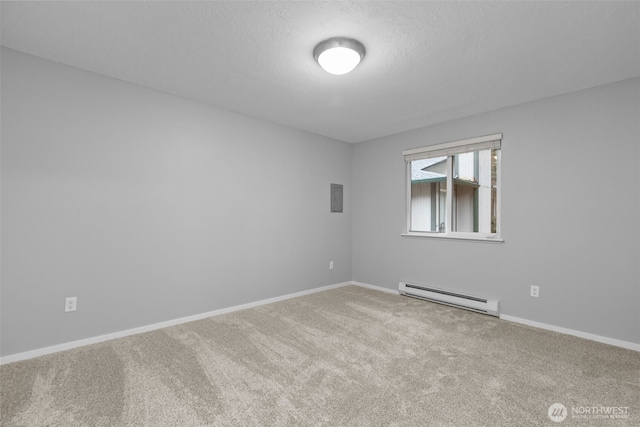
339 60
339 55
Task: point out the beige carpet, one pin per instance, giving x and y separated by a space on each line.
344 357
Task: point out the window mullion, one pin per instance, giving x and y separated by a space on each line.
449 200
499 192
408 194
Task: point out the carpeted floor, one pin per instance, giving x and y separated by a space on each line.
345 357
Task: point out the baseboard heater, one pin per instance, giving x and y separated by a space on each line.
468 302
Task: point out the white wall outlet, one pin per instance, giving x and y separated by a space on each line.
330 265
535 291
70 304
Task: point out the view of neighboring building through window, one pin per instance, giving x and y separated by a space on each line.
471 169
428 194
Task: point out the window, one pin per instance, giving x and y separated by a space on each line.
453 189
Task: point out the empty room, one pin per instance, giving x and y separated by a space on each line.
320 213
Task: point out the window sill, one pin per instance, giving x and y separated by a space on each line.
458 236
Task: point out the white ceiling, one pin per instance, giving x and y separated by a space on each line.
426 62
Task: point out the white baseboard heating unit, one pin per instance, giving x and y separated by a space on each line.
468 302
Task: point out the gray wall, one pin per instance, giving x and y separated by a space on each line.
570 213
149 207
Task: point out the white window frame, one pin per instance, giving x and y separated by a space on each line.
449 149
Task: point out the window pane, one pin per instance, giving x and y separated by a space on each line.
428 194
474 191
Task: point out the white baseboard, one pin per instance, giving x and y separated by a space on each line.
376 288
580 334
94 340
586 335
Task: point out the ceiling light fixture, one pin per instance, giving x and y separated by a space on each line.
339 55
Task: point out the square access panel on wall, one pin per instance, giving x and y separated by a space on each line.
336 197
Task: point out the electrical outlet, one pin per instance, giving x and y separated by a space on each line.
330 265
70 304
535 291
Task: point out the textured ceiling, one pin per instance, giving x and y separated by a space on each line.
427 62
